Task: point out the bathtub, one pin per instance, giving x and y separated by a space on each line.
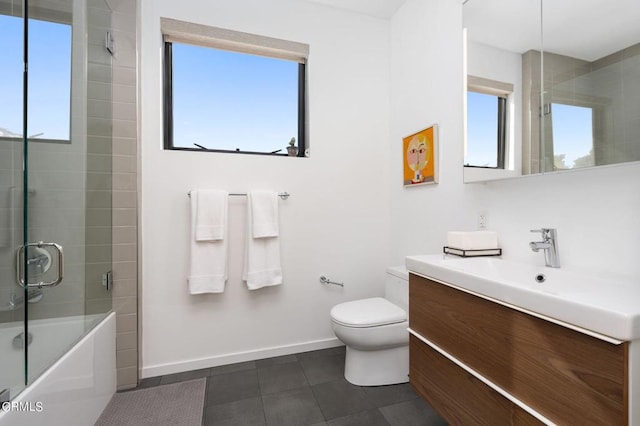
75 379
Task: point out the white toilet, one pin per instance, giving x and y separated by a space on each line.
375 333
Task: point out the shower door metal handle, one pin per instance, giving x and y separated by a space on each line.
20 265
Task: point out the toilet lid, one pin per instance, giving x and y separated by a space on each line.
367 313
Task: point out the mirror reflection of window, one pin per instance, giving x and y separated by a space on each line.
49 79
488 117
483 131
572 136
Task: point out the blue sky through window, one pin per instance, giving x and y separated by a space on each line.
49 78
482 130
228 100
572 132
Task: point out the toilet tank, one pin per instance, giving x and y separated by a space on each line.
396 287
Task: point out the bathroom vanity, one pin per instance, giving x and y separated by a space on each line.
482 352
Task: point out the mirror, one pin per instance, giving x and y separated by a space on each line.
550 86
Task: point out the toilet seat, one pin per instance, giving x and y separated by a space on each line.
372 312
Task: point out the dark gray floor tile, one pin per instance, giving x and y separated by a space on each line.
281 377
390 394
292 408
232 368
183 377
321 369
268 362
338 350
232 387
340 398
244 412
412 413
149 382
364 418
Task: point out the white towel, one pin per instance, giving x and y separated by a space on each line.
262 255
208 261
473 240
211 215
264 210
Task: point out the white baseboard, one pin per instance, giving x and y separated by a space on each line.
214 361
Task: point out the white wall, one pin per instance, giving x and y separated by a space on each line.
335 223
593 210
426 87
347 218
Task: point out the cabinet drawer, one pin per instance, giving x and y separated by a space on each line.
565 375
458 396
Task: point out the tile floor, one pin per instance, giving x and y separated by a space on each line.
302 389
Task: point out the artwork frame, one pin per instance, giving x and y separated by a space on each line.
420 157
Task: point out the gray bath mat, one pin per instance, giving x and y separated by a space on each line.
174 404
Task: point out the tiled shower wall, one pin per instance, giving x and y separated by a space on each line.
616 78
530 118
98 157
125 244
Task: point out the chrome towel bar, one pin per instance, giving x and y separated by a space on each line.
284 195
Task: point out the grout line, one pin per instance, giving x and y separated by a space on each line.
204 403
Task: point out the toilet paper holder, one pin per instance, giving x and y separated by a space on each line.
325 280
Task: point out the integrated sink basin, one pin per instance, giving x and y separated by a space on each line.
607 307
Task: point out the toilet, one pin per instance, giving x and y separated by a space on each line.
374 331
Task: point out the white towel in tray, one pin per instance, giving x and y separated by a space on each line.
209 242
262 253
473 240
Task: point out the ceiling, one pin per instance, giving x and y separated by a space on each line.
378 8
591 31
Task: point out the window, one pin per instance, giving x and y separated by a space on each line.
487 118
232 92
49 101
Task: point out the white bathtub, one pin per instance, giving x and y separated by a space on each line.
79 384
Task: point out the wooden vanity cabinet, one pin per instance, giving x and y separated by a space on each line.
564 375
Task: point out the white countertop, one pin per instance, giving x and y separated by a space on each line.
607 307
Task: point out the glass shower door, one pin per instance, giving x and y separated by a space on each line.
12 313
55 181
68 163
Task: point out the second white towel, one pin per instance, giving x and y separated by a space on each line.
262 266
208 261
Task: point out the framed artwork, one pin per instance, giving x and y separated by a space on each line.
420 157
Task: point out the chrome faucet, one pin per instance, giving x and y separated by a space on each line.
37 264
549 244
15 302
